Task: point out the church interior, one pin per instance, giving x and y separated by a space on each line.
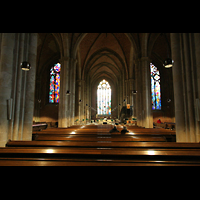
99 99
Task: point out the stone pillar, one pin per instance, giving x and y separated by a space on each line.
63 112
178 88
131 96
6 67
139 92
189 88
197 106
19 52
82 107
19 87
72 89
30 88
79 97
146 86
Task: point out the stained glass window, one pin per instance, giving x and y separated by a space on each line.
104 98
155 88
54 89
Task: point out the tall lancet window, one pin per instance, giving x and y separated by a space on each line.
104 98
155 88
54 88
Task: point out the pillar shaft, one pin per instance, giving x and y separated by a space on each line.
178 88
63 113
6 66
30 88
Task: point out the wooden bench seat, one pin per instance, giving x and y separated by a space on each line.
97 138
90 143
142 154
98 130
160 145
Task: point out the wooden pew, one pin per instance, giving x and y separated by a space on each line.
98 138
141 154
86 142
104 130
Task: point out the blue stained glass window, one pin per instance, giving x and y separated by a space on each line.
155 87
104 98
54 89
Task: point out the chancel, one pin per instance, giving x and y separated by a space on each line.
95 98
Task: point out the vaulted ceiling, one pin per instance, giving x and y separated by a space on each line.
104 55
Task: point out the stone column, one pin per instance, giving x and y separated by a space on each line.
131 96
72 89
138 95
197 53
18 87
6 67
178 89
189 88
30 88
79 97
63 112
147 107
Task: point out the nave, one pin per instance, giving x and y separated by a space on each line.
94 145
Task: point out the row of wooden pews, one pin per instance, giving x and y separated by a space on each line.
93 145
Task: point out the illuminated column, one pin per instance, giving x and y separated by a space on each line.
139 102
189 87
80 104
6 63
63 111
16 133
146 84
30 88
197 53
178 88
131 96
72 89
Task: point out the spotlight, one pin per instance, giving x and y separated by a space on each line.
25 66
168 63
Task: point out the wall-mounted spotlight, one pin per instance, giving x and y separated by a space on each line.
68 92
168 63
25 66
